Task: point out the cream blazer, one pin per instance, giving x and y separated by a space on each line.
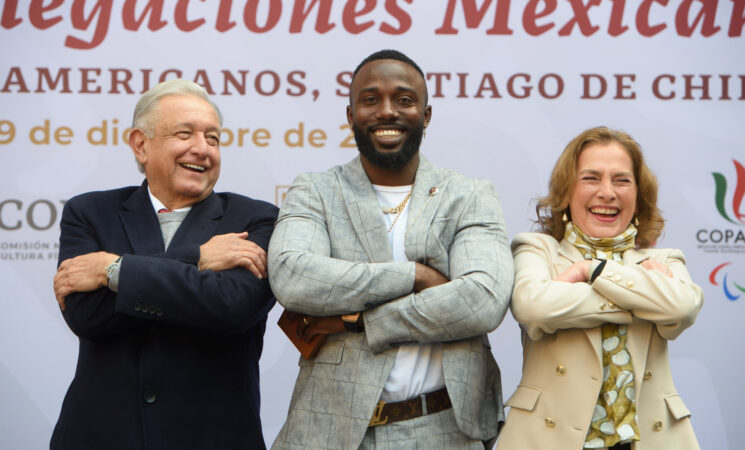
562 355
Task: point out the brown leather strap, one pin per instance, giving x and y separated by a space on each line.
409 409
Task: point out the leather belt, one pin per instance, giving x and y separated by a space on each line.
422 405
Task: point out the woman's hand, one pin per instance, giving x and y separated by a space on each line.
576 273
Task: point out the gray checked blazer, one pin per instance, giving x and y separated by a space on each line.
330 255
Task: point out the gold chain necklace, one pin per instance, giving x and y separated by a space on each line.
398 209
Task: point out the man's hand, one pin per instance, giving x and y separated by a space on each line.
227 251
82 273
658 266
427 277
576 273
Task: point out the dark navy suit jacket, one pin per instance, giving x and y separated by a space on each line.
171 360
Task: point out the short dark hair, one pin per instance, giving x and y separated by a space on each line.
390 54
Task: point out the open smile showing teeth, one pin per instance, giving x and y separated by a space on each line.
604 211
193 167
387 133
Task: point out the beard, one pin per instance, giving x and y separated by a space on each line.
392 160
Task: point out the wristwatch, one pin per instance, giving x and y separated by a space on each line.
352 322
111 268
598 270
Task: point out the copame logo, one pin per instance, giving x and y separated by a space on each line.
731 294
739 192
730 239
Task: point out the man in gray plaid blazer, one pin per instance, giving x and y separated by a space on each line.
405 267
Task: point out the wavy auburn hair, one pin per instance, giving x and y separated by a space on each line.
552 207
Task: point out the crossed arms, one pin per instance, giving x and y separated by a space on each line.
219 286
658 289
401 302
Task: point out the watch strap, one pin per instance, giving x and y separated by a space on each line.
112 273
598 270
352 322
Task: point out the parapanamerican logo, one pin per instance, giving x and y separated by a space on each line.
731 294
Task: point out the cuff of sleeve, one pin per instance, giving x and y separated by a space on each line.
380 331
188 254
374 340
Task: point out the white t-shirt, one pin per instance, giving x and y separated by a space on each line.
418 367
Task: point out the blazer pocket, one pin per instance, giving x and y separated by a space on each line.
525 397
330 353
676 406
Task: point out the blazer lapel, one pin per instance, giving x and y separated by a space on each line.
640 331
199 225
364 211
141 224
570 252
638 335
429 187
569 255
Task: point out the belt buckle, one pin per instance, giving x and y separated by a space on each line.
375 421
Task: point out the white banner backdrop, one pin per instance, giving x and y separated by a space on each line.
510 84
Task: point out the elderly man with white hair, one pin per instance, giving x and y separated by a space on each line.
165 285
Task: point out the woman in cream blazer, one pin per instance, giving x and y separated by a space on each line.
562 299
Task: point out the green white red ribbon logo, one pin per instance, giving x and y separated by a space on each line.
721 193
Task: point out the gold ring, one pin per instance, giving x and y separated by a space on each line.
305 321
